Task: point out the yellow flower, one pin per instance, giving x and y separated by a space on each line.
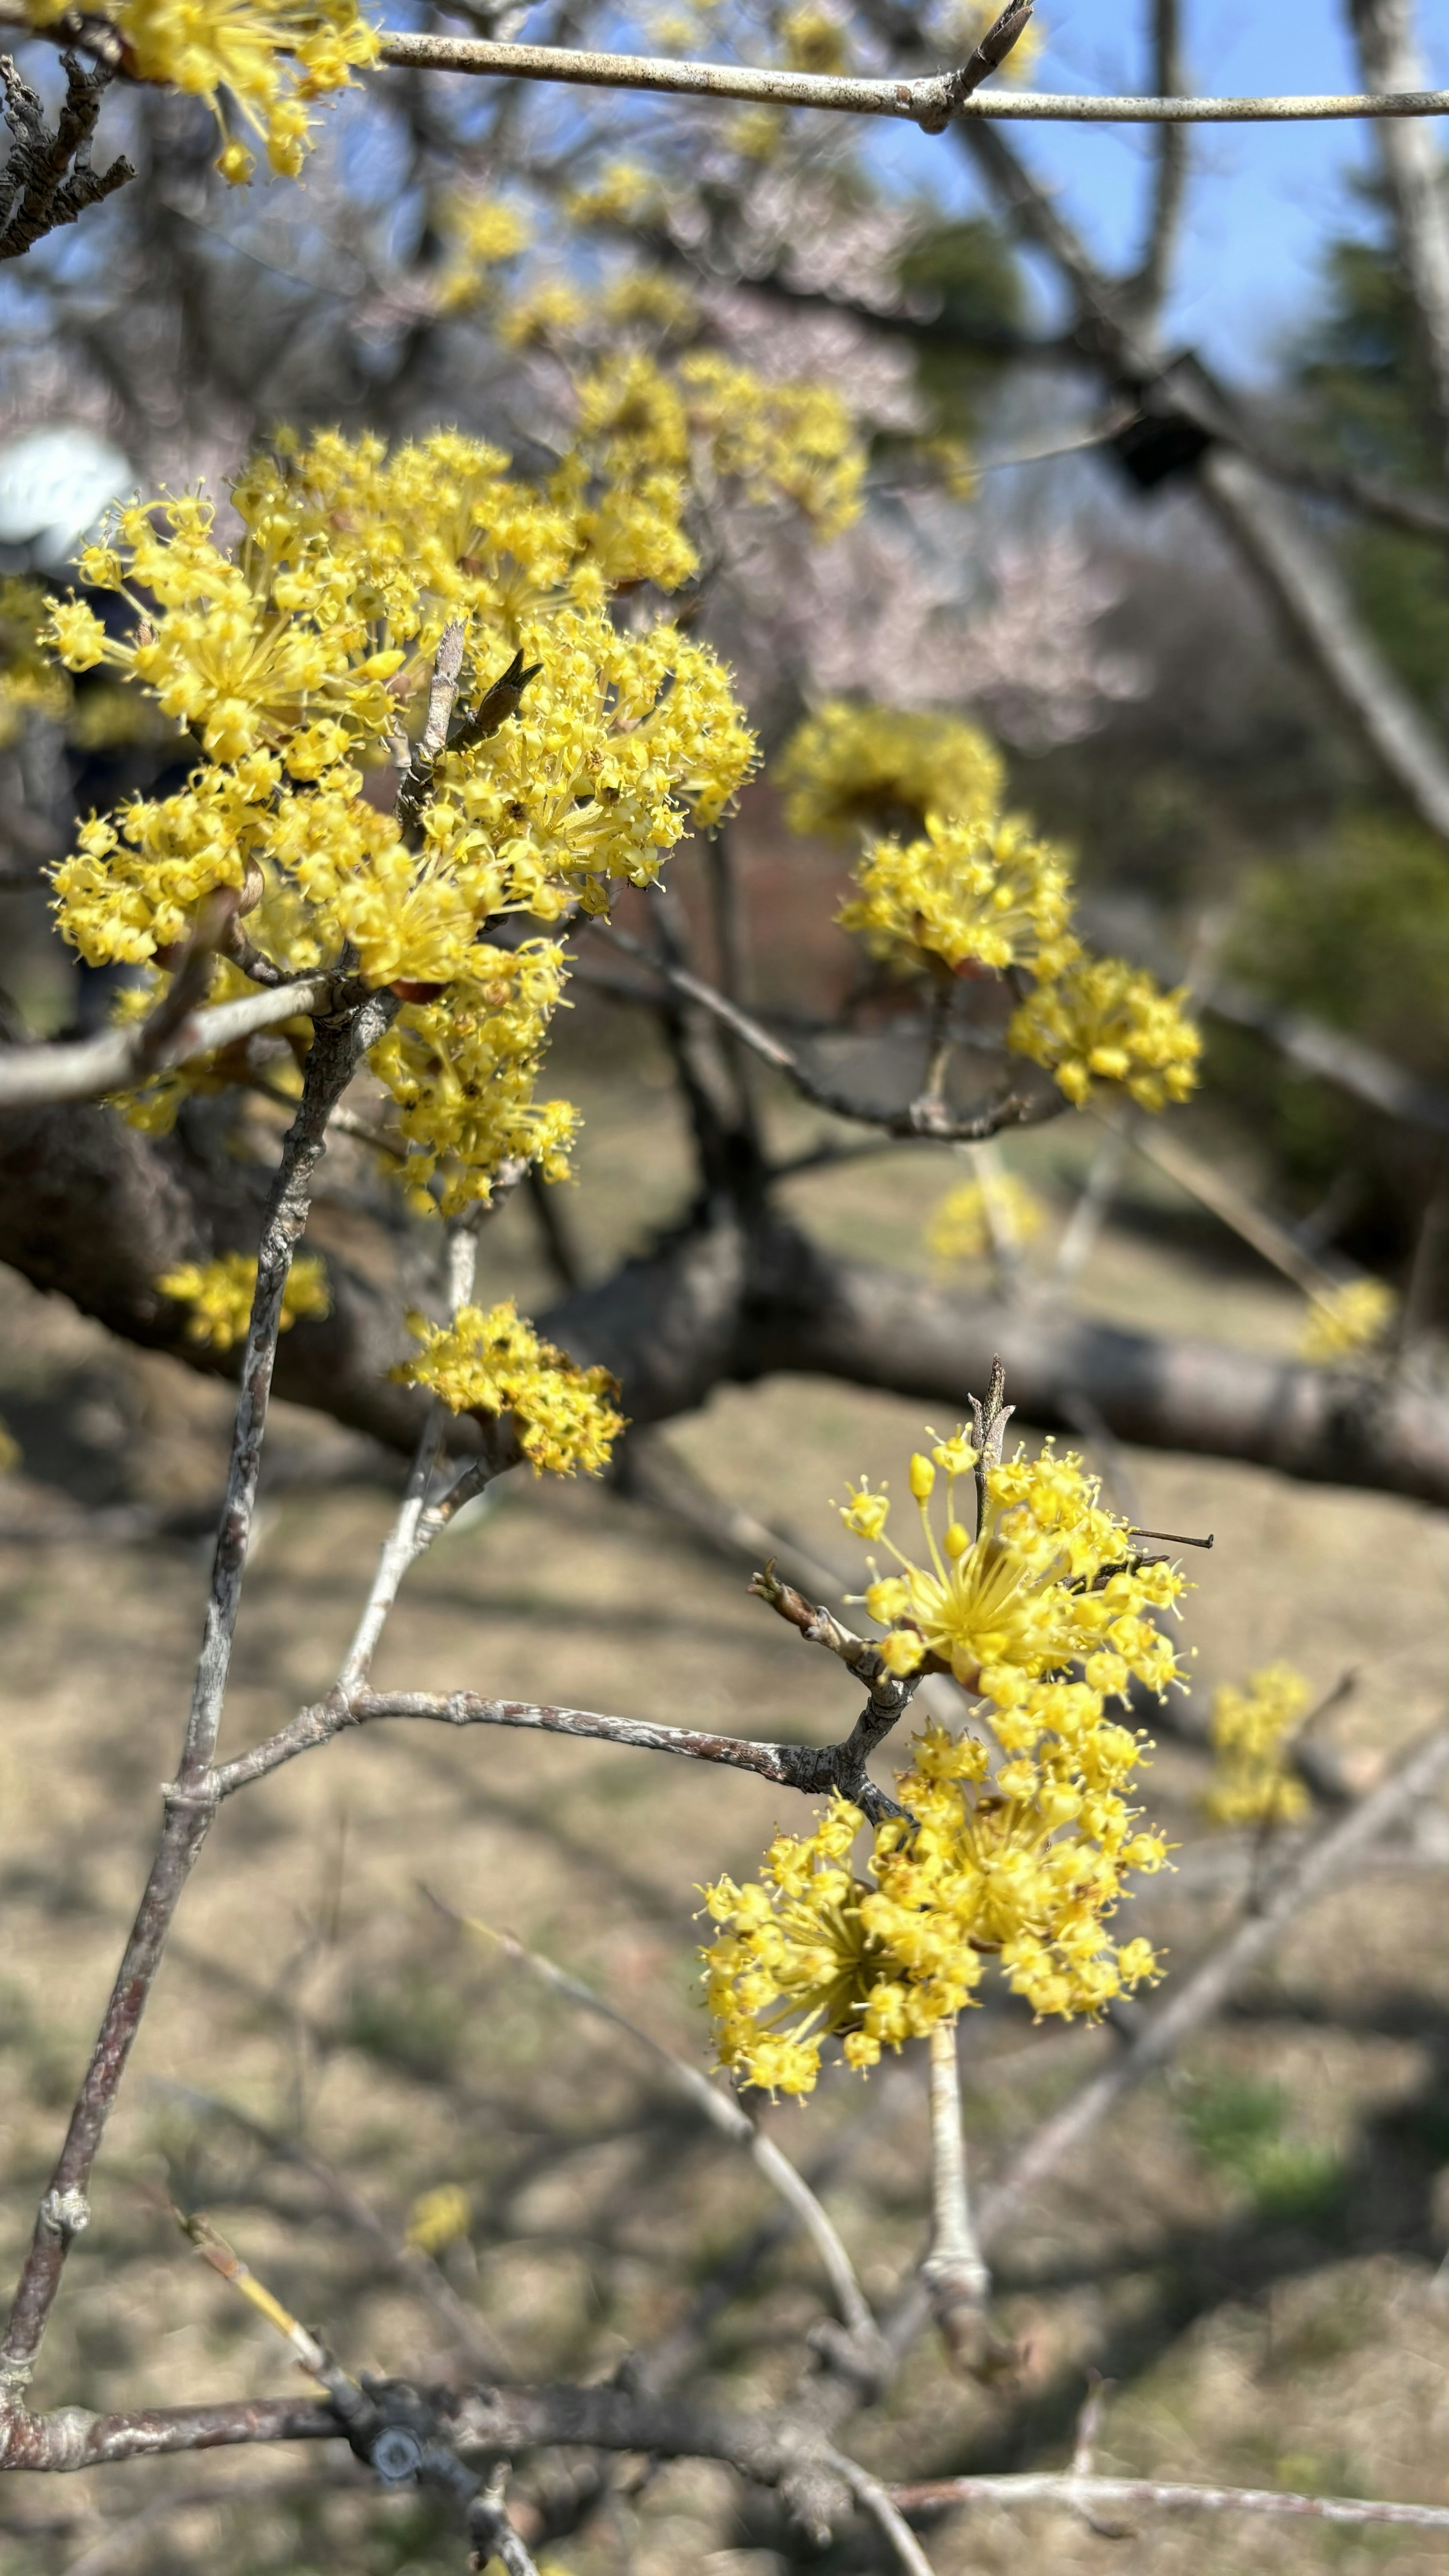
1347 1323
270 57
623 192
1251 1731
296 659
439 2217
478 232
849 765
812 40
1100 1020
1027 1868
1050 1580
977 894
549 311
971 1219
647 295
220 1295
494 1363
29 683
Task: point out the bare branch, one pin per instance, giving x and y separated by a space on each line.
723 2113
1310 592
926 1115
1212 1188
1295 568
1149 284
189 1802
953 2271
885 2513
1162 2496
1388 52
931 103
813 1769
87 1068
48 180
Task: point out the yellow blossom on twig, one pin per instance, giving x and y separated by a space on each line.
848 765
973 894
1347 1323
438 2218
971 1219
270 58
495 1363
1102 1021
220 1295
1251 1730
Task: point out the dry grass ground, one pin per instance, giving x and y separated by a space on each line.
1250 2251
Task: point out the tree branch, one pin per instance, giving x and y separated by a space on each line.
87 1068
932 103
1092 2494
1388 52
1148 283
926 1115
48 180
189 1802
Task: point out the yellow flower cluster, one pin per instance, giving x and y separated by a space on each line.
1346 1323
220 1295
1250 1731
849 764
30 684
462 1068
270 57
1026 1866
480 232
707 419
790 441
494 1363
1101 1020
1050 1579
1017 1849
301 662
439 2217
973 891
812 40
970 1221
980 893
621 192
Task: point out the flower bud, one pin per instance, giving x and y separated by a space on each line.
923 1478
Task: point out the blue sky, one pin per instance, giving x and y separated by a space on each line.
1262 198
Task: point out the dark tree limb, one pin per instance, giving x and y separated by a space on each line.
48 180
94 1211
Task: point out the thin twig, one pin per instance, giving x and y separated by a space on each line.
1064 2487
932 103
190 1801
813 1769
414 1529
953 2271
922 1117
720 2109
885 2513
87 1068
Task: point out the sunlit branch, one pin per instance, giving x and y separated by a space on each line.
931 103
1162 2496
87 1068
926 1115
